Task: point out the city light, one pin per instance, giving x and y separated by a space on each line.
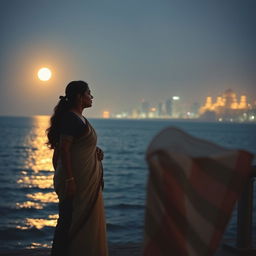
106 114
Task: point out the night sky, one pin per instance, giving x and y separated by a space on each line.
126 50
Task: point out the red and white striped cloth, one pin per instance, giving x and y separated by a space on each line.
192 188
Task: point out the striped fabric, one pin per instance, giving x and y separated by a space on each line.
192 188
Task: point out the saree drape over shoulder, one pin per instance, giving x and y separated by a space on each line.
87 233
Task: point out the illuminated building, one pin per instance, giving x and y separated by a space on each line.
145 107
135 113
160 110
106 114
176 111
226 107
168 107
243 103
152 113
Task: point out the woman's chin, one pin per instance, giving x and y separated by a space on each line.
88 106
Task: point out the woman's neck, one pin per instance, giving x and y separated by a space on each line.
77 110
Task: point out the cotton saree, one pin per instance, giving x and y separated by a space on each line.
192 189
87 229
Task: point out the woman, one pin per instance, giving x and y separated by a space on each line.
78 178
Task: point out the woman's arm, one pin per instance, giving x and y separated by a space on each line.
55 158
65 157
65 145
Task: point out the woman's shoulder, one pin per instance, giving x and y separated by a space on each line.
69 116
73 123
69 124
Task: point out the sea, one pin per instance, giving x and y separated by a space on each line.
29 206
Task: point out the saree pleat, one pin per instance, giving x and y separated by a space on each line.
87 233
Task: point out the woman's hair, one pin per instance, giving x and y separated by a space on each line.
65 103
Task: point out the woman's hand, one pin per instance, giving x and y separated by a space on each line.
100 154
70 187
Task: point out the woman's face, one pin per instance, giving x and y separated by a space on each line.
86 99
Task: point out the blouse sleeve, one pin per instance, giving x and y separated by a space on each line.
68 125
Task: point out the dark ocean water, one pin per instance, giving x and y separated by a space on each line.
28 205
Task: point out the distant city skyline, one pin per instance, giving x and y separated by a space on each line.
126 51
225 107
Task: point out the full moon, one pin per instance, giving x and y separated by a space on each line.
44 74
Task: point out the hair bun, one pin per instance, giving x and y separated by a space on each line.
63 98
